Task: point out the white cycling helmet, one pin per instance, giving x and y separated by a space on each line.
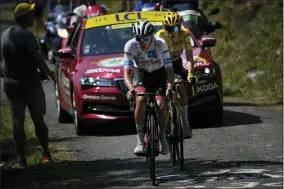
143 28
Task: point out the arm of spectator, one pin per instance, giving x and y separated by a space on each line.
33 48
1 72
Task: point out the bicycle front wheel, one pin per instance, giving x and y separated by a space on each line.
152 125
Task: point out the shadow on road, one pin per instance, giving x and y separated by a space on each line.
111 128
133 172
230 118
118 128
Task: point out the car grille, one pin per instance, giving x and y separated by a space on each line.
106 109
203 98
121 86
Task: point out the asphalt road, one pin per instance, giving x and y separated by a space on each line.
245 152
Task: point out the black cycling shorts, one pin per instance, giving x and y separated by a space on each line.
154 82
180 72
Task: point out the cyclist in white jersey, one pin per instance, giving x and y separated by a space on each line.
148 58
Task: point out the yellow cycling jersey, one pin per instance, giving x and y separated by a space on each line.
176 46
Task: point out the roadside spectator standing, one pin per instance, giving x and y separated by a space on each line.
22 81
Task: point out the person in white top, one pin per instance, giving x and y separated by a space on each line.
148 58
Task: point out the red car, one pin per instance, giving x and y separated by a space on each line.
90 85
209 97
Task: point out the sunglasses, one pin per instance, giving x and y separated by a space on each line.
173 28
143 39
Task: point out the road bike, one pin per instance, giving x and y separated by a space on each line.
174 130
151 133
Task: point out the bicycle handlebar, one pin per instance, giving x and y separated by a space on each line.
193 82
149 94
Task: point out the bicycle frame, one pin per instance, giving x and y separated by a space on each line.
150 110
175 126
151 133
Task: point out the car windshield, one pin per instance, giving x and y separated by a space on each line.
194 22
110 39
182 6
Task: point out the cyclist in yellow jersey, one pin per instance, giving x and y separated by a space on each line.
178 39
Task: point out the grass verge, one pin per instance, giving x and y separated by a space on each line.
37 174
249 48
278 107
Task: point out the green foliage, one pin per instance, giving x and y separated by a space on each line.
250 41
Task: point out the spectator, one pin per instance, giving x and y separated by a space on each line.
22 82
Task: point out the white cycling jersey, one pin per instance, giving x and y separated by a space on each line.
155 58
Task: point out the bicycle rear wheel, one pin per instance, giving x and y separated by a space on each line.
171 142
152 125
179 139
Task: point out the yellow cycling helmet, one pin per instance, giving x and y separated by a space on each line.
172 19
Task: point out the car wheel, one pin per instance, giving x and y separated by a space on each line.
77 122
218 116
62 115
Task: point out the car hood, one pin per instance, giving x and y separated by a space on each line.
201 57
103 66
111 66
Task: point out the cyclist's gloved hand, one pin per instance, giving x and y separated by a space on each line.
131 94
191 78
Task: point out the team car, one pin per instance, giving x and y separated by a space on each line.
89 78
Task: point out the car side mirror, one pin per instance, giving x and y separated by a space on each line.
214 12
216 25
208 41
65 53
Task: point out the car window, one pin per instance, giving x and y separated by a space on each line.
75 38
71 36
105 40
194 22
109 39
182 6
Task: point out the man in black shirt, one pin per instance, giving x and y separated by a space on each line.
22 81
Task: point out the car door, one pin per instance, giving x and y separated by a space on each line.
65 72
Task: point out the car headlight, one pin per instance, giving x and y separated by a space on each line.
206 71
63 33
210 70
97 82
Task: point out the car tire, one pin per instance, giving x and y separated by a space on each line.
218 116
79 128
219 80
62 115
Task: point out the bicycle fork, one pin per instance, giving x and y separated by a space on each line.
147 136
